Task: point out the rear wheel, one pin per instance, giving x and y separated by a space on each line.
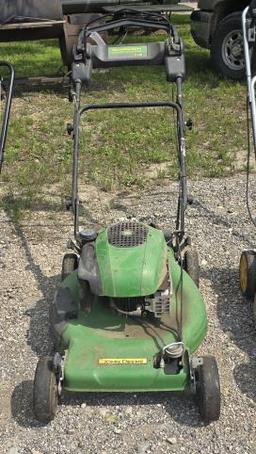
191 265
69 264
247 274
208 389
227 47
45 393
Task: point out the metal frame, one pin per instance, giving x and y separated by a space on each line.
123 18
6 115
251 80
80 110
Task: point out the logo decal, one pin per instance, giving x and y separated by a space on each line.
121 361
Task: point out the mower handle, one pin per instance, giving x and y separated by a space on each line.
6 115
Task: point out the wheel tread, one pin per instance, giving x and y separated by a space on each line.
208 389
45 394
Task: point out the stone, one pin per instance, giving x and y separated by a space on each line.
171 440
13 450
143 447
111 418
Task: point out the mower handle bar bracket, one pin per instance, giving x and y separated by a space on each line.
169 52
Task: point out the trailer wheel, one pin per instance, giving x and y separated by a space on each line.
208 389
69 264
227 47
45 393
191 265
72 27
247 274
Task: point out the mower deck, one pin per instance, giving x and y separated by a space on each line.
107 351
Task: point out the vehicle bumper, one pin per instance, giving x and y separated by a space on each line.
200 27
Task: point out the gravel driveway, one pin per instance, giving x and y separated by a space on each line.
30 261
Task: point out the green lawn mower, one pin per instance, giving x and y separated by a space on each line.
128 314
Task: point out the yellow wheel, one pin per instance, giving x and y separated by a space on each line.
247 274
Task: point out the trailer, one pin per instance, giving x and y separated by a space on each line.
25 20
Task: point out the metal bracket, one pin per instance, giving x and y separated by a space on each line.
194 363
251 35
58 365
73 245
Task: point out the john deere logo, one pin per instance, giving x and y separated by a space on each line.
122 361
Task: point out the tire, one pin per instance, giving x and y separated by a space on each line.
69 264
254 310
247 274
208 389
227 47
191 265
45 392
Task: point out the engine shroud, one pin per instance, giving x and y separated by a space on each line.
132 260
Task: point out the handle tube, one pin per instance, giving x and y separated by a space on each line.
6 115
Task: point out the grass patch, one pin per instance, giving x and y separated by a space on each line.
33 58
120 148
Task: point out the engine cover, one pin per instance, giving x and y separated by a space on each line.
132 259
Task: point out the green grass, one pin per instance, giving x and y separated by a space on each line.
120 149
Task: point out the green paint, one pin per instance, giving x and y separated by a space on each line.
129 51
105 334
134 271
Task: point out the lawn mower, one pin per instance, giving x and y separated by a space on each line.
247 266
128 314
6 90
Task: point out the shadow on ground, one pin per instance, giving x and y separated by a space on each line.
180 406
236 319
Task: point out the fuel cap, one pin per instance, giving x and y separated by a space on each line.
88 235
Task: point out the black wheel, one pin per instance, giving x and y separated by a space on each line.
69 264
254 309
208 389
191 265
168 235
227 50
247 274
45 393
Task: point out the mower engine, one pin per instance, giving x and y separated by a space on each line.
157 304
128 264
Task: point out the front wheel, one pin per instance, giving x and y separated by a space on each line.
191 265
69 264
247 274
227 51
208 389
45 392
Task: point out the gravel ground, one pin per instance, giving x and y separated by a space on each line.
30 261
